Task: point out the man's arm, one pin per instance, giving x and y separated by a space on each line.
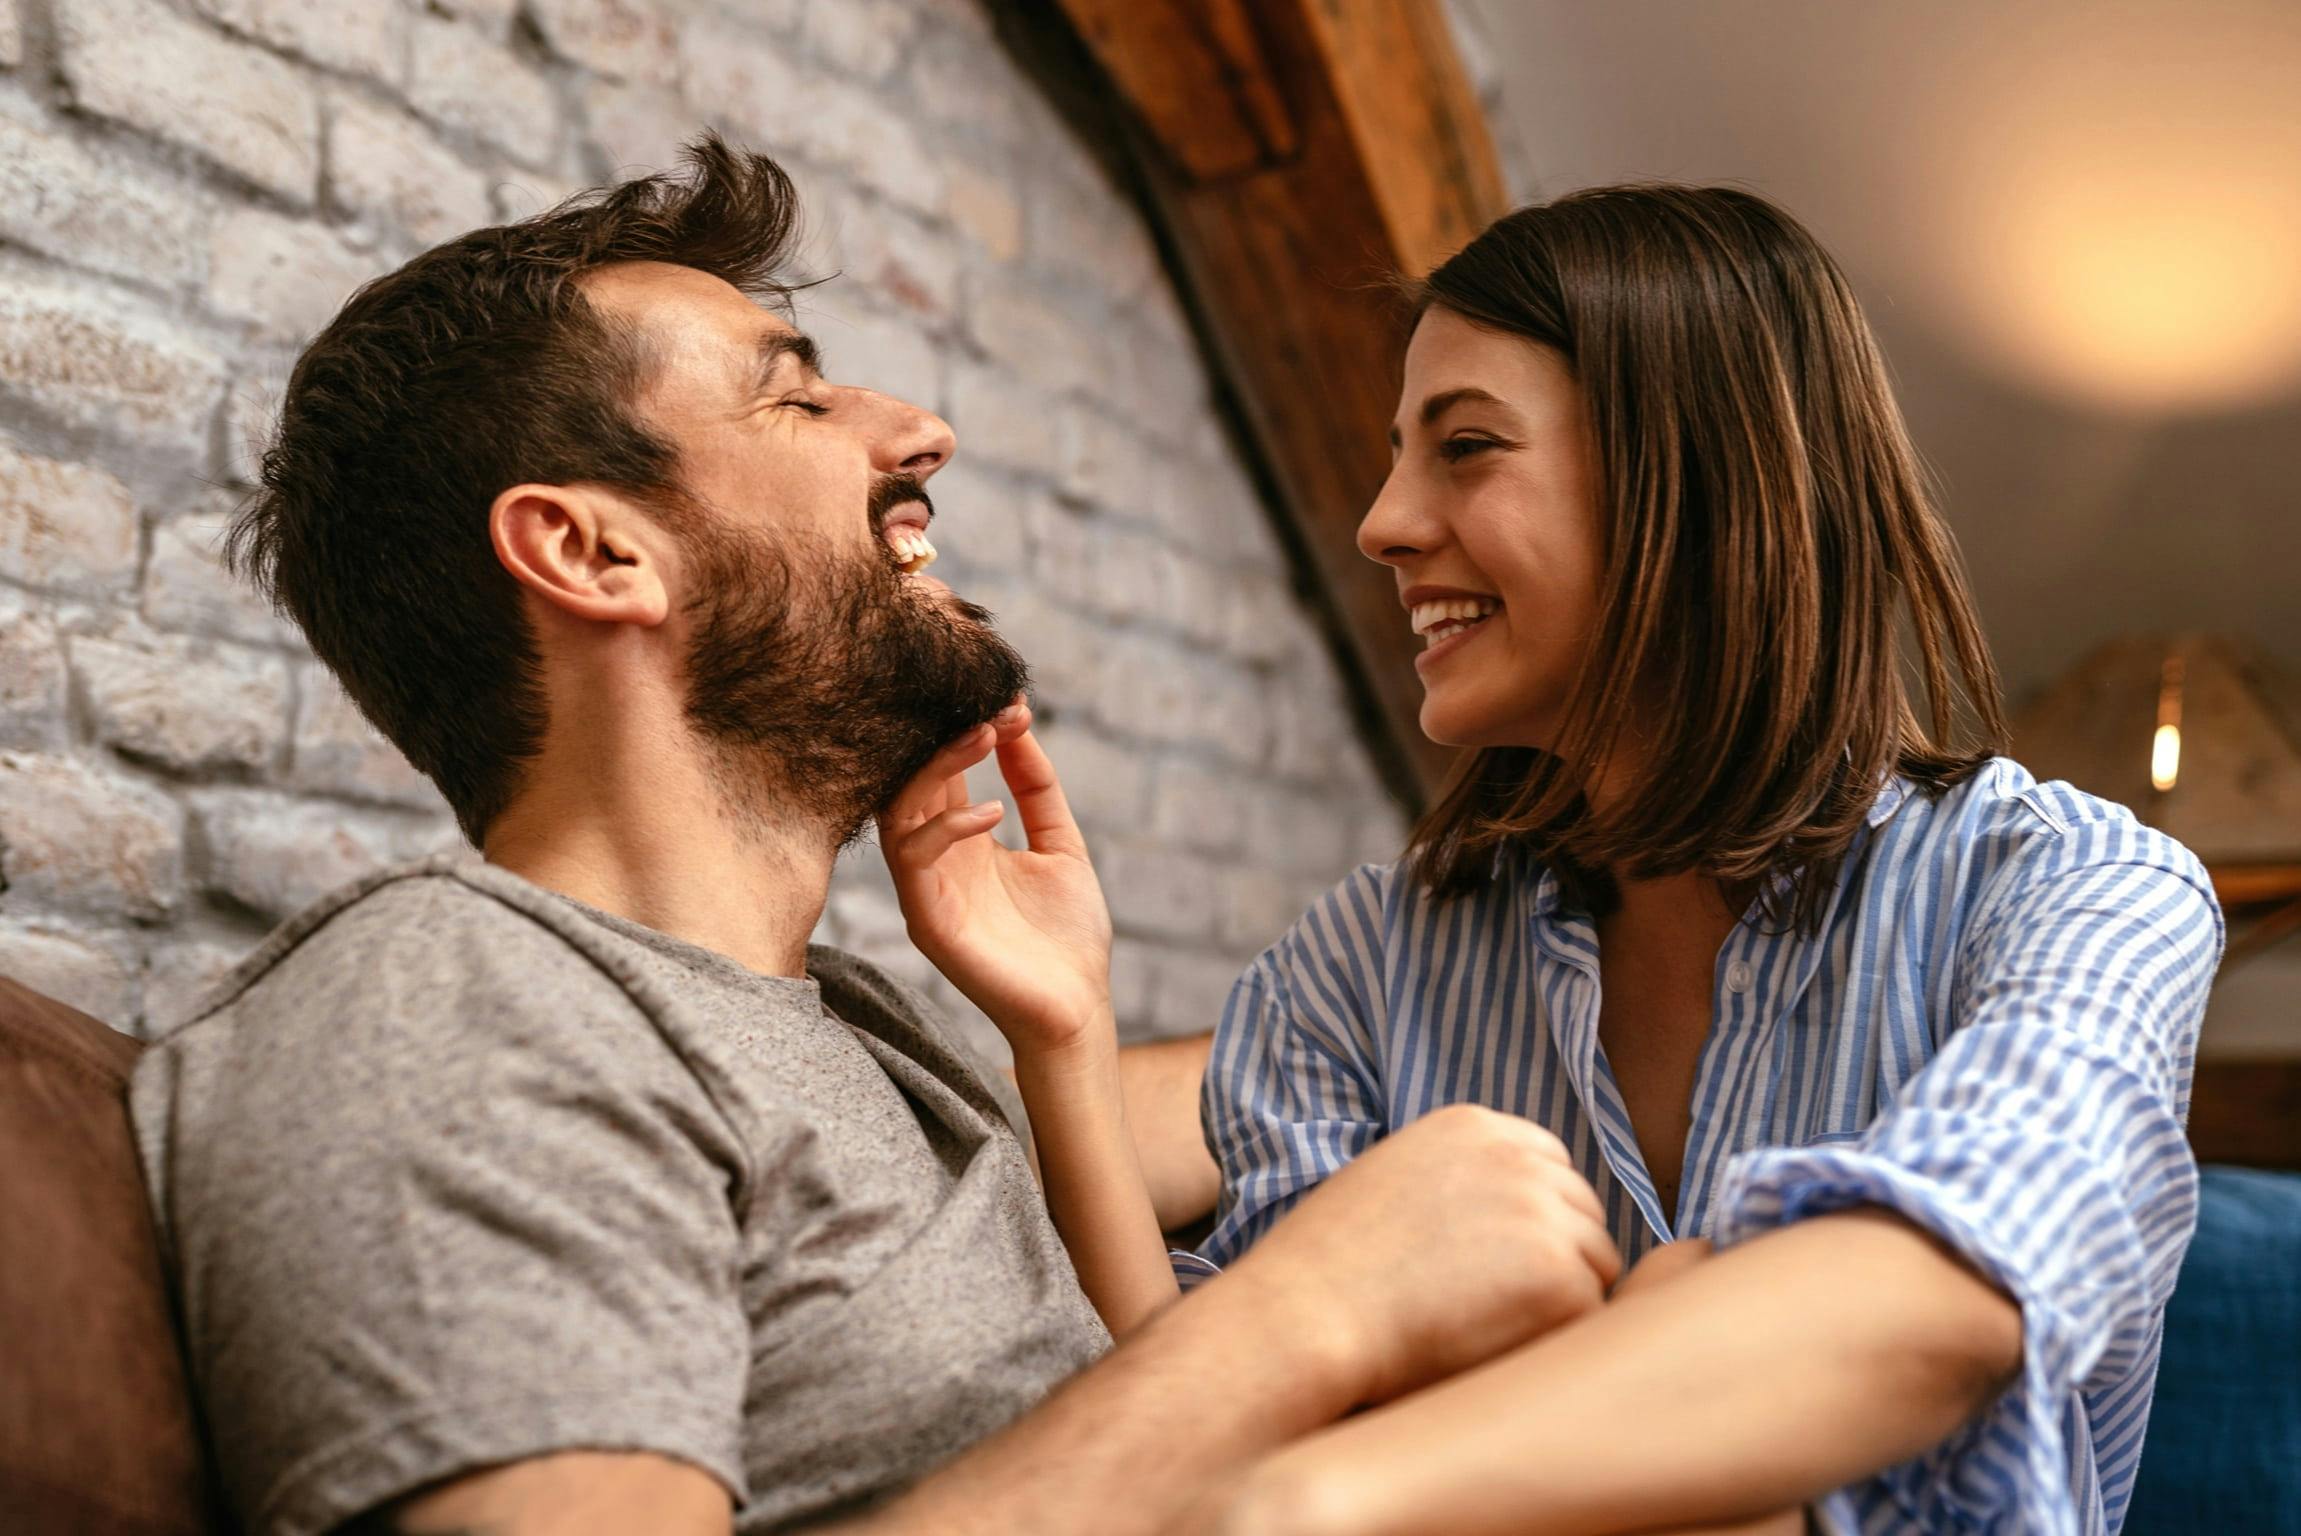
1458 1238
1757 1380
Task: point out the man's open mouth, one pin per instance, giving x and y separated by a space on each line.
910 546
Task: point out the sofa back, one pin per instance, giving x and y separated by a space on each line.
97 1433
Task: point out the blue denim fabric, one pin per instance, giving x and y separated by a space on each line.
2224 1446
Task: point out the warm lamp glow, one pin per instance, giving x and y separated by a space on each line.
2128 220
2165 758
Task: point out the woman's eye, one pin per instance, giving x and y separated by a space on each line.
811 407
1456 449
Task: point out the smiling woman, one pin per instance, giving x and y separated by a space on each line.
1787 961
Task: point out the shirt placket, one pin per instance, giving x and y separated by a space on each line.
1573 942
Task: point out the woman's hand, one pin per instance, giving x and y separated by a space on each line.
1024 932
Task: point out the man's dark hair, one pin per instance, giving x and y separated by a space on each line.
477 366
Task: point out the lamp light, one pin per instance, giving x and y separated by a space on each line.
2200 736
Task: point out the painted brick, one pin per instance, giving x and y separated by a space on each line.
1034 339
1192 989
88 206
636 128
188 705
1299 833
623 39
739 80
275 854
471 84
1134 976
1159 892
894 357
984 519
525 194
493 17
187 589
849 130
1194 806
862 37
32 701
1105 462
1105 782
137 62
359 37
1087 233
1068 653
74 838
97 361
1000 418
289 275
386 165
1151 691
80 967
1258 905
983 206
897 255
338 752
67 526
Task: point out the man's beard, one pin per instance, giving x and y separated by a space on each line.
825 681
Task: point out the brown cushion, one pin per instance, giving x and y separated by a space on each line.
97 1435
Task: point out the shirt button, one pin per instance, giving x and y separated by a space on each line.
1738 976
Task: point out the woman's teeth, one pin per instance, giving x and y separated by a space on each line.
1435 621
912 551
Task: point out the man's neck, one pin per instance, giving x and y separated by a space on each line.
649 835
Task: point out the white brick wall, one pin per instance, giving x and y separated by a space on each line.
188 187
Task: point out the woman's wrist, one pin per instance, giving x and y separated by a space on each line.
1080 1047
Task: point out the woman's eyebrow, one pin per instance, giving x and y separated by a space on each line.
1445 400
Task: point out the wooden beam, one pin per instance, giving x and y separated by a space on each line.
1288 240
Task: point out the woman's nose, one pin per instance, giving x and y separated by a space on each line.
1393 529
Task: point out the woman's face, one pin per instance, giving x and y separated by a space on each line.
1490 509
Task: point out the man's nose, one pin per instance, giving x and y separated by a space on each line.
913 440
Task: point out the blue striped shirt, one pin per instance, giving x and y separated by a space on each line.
1991 1034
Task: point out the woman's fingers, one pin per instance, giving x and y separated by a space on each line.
1046 814
931 788
930 840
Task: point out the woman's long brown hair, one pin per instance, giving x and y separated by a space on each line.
1768 533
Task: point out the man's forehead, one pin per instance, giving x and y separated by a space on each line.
686 313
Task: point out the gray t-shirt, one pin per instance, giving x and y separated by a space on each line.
453 1171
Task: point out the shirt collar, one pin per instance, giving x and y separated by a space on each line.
1896 789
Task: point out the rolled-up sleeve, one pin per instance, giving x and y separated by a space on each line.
1291 1094
2044 1145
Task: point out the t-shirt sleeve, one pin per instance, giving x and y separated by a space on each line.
443 1198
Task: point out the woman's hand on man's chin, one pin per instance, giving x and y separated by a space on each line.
1023 933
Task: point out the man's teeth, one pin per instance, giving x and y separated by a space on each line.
912 551
1434 621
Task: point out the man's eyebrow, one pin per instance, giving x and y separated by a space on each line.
775 346
1446 399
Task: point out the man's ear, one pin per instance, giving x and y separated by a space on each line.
583 550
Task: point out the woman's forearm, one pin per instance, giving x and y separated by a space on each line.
1758 1380
1093 1178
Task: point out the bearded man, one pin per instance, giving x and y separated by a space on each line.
567 1189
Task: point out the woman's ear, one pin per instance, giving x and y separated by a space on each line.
585 551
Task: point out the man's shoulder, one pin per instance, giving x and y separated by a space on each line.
448 920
